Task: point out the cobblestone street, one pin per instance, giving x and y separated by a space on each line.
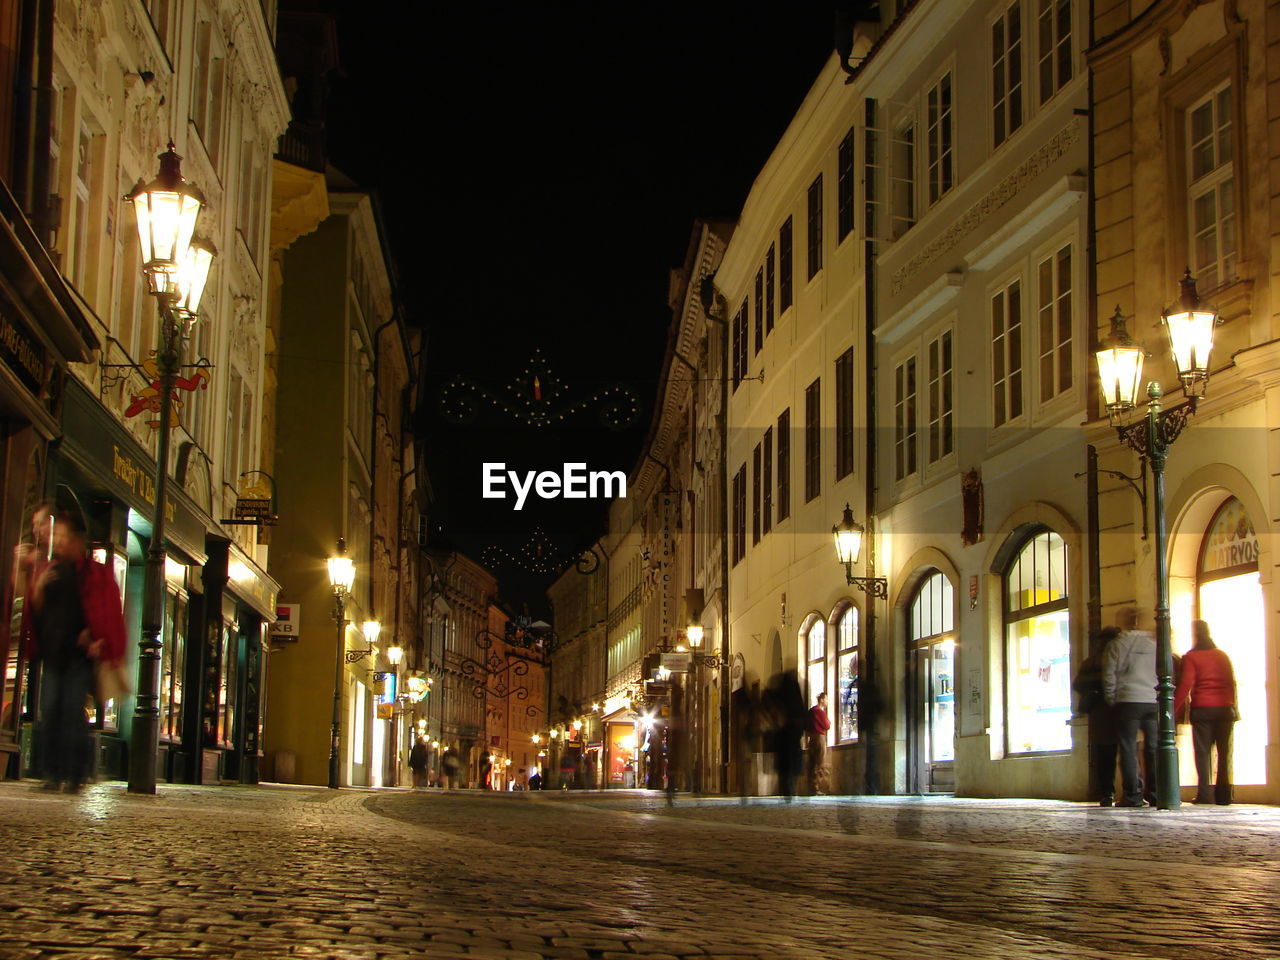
274 871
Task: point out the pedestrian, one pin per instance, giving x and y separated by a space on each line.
1209 683
418 763
73 625
486 770
1102 721
1129 684
819 724
785 705
535 780
449 767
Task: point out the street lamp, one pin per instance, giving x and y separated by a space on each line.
848 536
1190 325
166 211
342 574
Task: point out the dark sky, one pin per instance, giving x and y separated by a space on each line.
540 167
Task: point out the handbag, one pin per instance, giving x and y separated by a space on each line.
111 683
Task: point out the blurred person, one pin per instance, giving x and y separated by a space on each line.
1208 682
486 771
1129 684
72 623
449 768
535 780
1103 740
818 725
418 758
784 703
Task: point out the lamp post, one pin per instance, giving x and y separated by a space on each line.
166 210
1190 325
342 574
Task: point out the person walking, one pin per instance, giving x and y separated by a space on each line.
418 763
784 702
449 768
819 724
486 770
1102 721
1209 682
1129 684
73 626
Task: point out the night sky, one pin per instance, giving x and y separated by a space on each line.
540 167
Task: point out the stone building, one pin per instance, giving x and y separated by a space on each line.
123 79
1184 121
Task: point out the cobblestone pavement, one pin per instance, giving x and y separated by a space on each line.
265 872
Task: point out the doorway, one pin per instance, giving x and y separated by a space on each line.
931 683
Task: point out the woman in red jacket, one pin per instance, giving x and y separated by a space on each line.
1207 678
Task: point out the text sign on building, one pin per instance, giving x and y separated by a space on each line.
254 510
288 621
675 662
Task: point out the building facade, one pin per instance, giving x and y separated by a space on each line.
122 79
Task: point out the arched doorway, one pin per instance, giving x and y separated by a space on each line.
931 685
1228 595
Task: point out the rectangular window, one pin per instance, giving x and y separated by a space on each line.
903 173
938 116
740 513
815 227
1211 189
768 290
870 170
784 266
844 187
741 343
1053 24
1006 73
812 440
231 436
1006 354
844 414
759 309
755 494
82 243
784 464
1054 306
766 484
739 333
904 419
941 398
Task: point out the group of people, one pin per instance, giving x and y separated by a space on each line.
1117 688
778 722
419 760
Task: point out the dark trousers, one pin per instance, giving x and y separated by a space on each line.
65 745
1130 718
1103 758
1211 729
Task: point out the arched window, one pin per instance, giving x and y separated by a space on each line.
933 733
815 646
1037 647
847 675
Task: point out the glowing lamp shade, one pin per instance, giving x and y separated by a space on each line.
166 210
395 655
554 733
693 633
192 276
1190 324
342 573
1119 368
848 536
371 629
536 738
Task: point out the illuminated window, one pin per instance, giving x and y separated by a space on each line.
816 658
1037 647
1211 189
932 615
847 674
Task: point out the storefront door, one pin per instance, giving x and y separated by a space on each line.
932 720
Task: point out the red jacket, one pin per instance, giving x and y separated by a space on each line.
819 722
1208 678
100 599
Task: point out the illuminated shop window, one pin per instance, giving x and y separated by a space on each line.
847 674
1037 647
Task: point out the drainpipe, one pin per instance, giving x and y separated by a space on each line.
869 681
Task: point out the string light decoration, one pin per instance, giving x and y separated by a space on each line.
537 555
537 398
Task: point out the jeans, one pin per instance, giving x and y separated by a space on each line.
1210 729
1103 758
65 744
1130 718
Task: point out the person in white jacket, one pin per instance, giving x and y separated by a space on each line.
1129 683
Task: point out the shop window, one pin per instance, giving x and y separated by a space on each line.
846 724
173 661
933 667
227 684
1037 647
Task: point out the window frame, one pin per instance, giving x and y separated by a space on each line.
1007 117
1212 182
770 259
936 190
814 203
756 477
766 483
759 305
786 265
1002 288
813 440
946 330
906 460
784 465
844 609
845 377
846 188
1057 84
1046 253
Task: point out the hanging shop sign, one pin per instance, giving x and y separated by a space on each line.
675 662
737 672
257 506
21 351
288 622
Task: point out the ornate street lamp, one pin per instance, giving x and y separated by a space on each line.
166 211
848 536
1190 325
342 574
